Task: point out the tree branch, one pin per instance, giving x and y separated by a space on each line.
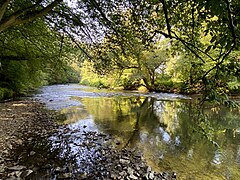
25 16
4 4
193 22
232 29
166 18
13 58
232 26
234 37
187 44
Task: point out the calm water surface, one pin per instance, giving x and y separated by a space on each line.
165 127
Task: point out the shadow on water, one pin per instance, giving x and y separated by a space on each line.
166 128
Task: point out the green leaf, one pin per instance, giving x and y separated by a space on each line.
229 45
208 49
213 39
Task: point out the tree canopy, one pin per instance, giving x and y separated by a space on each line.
127 38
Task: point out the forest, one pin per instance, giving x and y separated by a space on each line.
180 46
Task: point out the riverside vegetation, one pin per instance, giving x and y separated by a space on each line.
189 47
181 46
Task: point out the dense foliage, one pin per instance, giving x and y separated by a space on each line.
203 44
181 46
32 56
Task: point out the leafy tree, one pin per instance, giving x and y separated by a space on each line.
186 23
13 13
205 33
31 55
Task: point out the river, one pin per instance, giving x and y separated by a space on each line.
165 127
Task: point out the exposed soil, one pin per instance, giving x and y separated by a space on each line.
29 151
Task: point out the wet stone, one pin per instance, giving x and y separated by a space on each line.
58 170
74 154
133 177
26 173
123 173
64 176
174 175
149 169
130 171
151 175
17 168
124 161
2 168
32 153
165 175
113 176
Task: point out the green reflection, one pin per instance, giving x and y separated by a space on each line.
74 114
172 134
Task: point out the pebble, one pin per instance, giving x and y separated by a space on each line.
17 168
133 177
124 161
32 153
174 175
151 175
58 169
123 173
130 171
2 168
149 169
64 176
97 159
26 173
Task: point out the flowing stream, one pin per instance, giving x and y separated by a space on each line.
165 127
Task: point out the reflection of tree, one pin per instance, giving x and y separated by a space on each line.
152 114
111 113
139 113
74 114
172 132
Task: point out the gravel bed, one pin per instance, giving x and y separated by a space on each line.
33 146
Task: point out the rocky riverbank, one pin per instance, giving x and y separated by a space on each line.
20 121
33 146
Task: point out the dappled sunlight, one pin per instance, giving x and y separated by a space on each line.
169 132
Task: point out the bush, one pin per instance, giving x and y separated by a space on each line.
5 93
170 86
85 82
95 83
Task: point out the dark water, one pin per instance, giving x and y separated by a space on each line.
167 128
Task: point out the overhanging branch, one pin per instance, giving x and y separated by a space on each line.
166 18
26 15
3 7
13 58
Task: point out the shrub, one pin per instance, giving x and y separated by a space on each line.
5 93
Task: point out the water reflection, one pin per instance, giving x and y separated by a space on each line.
168 131
168 135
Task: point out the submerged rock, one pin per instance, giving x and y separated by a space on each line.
65 176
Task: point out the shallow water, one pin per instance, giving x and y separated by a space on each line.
165 127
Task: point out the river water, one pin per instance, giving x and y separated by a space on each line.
167 128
